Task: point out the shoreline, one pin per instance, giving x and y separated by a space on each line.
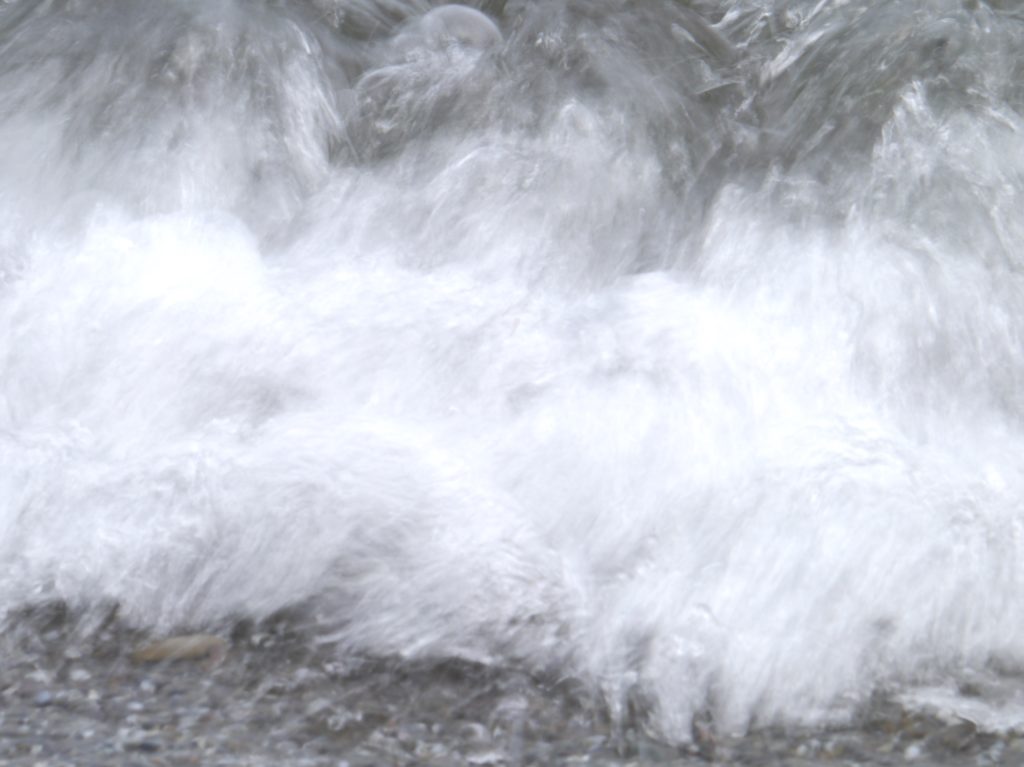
276 699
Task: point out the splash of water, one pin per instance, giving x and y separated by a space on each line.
673 347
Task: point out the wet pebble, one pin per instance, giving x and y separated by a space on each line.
953 738
490 757
474 732
142 746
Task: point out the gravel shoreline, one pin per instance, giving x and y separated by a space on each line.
70 694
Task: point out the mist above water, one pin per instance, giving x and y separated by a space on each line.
673 347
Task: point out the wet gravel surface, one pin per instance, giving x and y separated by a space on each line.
70 694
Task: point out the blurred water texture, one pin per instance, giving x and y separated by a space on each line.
670 348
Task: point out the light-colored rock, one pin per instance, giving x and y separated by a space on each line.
206 647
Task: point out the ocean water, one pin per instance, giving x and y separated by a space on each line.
674 348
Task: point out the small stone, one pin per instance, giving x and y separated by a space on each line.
921 725
410 734
142 746
846 747
79 675
436 753
338 721
884 716
486 758
953 738
805 750
474 732
207 647
42 699
318 706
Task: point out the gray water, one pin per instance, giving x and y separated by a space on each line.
669 349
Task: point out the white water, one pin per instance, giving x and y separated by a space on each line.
676 348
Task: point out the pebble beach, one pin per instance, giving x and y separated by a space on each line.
77 694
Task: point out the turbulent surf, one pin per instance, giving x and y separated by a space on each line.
673 348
